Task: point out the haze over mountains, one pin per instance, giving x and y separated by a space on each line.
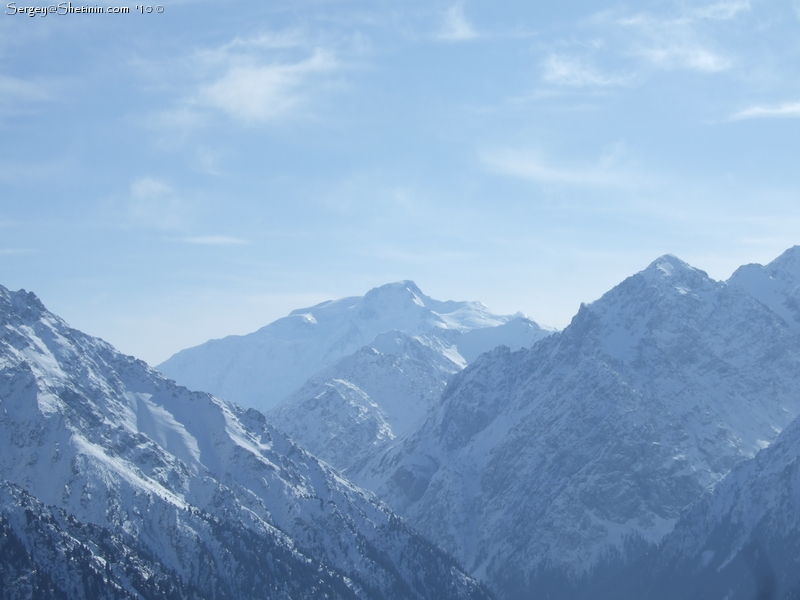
648 450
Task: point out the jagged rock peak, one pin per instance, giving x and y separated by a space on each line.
21 303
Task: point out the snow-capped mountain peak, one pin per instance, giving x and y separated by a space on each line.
262 368
668 265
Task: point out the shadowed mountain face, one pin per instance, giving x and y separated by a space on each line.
261 369
106 461
539 465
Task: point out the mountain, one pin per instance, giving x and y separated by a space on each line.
262 368
155 491
351 411
777 285
539 466
740 540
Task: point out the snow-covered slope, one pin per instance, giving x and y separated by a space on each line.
354 409
208 490
264 367
351 411
539 463
777 285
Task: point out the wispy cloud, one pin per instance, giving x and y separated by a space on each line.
251 79
569 70
153 203
212 240
676 41
13 89
721 11
251 91
14 251
267 40
456 26
788 110
676 55
18 96
532 166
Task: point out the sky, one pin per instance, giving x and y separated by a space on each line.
171 177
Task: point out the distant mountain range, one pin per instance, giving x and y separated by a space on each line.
117 483
649 451
261 369
541 467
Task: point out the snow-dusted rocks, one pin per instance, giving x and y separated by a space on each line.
110 459
264 367
540 464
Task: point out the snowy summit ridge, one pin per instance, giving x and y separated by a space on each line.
262 368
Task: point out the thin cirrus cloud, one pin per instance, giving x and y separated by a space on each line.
676 55
533 167
456 26
154 203
213 240
788 110
14 88
19 95
721 11
253 80
571 71
259 92
677 41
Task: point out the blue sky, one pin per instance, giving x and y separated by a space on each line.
169 178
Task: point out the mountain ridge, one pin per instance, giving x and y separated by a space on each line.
556 455
262 368
206 487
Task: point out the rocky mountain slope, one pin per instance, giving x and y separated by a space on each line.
261 369
145 483
538 465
